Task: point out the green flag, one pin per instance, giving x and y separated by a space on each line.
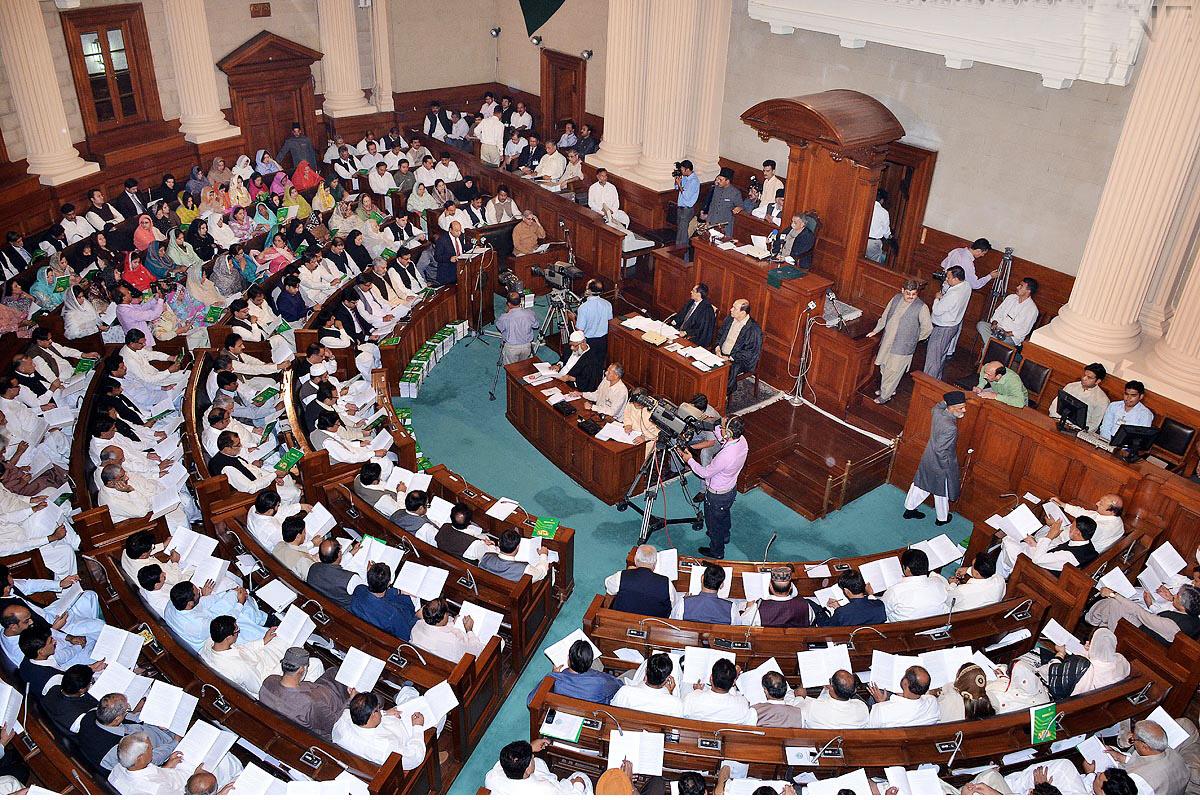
537 12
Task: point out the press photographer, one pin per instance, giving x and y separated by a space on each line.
720 482
688 185
593 317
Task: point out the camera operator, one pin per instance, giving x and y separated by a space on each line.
593 317
720 482
688 185
518 327
704 440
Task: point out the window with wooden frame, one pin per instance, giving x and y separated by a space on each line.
110 60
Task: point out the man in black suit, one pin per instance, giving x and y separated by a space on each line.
16 256
531 155
352 322
131 202
697 318
796 242
446 252
37 645
739 341
581 365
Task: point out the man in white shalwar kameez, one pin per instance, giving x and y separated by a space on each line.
518 772
374 734
247 664
26 425
192 609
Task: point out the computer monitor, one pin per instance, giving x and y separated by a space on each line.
1135 440
1071 411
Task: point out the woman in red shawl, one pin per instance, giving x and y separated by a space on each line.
135 274
305 177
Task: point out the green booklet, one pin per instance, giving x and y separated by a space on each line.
300 250
92 274
1042 721
390 340
213 314
281 215
388 254
267 431
61 283
84 365
283 327
375 215
157 417
545 527
265 394
290 459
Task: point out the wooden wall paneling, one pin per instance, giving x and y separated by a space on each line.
564 90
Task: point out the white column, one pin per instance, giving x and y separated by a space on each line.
667 112
200 117
624 85
339 66
1175 360
1144 189
1155 315
381 54
711 55
33 80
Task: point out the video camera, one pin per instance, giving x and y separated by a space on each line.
509 280
677 427
678 171
559 275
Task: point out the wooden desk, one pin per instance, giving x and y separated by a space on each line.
606 469
841 361
781 312
662 372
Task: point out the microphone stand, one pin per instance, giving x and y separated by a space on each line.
480 286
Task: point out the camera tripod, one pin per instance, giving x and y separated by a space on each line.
653 471
556 317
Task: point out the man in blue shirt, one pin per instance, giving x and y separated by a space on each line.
688 185
382 605
861 610
579 680
593 317
1127 411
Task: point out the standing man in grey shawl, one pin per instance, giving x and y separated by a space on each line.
937 474
905 322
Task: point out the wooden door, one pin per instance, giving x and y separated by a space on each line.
268 120
564 91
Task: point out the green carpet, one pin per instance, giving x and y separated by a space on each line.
457 425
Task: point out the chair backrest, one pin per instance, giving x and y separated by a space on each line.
997 350
1034 377
1175 437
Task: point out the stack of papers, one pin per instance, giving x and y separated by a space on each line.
1116 580
117 646
295 628
924 781
615 431
667 564
485 623
119 679
1016 524
433 706
439 510
503 508
1059 635
640 323
756 585
319 521
818 664
421 581
887 669
835 593
276 594
168 707
204 744
881 574
359 671
698 663
565 726
413 481
943 665
855 781
558 652
256 781
643 749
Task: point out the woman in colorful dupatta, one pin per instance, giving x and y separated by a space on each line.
280 183
209 202
292 198
242 224
145 233
136 274
245 263
305 177
219 173
187 211
264 164
336 190
226 277
322 201
278 255
239 195
197 182
158 261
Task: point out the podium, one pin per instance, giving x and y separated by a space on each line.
476 288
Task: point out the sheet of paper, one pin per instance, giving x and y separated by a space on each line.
749 683
1054 512
210 568
694 581
629 654
276 594
882 573
756 585
698 662
565 726
1031 497
441 699
818 571
439 510
168 707
295 627
117 678
943 665
502 508
667 564
485 622
941 551
205 744
817 664
557 652
642 748
1092 749
835 593
856 782
319 521
1166 562
1019 523
1176 735
1059 635
420 580
256 781
117 646
994 521
887 669
1115 579
359 670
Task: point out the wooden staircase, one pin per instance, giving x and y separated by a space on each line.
808 462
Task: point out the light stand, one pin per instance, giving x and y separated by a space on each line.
1000 285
